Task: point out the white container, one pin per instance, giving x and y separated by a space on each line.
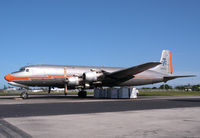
133 93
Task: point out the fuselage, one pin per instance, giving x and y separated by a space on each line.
55 76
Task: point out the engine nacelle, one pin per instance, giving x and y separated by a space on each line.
91 76
86 86
73 81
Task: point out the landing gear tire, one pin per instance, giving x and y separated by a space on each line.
24 95
82 94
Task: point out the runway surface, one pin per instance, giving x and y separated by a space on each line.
73 105
31 117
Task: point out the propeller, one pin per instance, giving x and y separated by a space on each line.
65 76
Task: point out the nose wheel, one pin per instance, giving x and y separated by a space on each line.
82 94
24 95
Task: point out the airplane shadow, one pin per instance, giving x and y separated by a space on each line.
45 97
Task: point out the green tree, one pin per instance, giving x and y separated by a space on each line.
181 87
196 88
154 88
165 86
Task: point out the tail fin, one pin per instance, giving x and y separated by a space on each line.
166 60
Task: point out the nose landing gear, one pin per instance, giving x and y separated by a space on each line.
24 95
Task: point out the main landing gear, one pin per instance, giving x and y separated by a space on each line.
82 94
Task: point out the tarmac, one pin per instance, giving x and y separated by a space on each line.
69 116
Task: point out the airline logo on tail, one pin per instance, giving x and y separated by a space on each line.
164 61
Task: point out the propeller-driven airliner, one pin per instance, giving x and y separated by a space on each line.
90 77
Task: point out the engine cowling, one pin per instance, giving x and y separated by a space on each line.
91 76
73 81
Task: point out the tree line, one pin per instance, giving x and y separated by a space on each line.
179 87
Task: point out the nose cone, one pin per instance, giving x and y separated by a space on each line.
8 77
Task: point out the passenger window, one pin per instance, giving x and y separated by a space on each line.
27 70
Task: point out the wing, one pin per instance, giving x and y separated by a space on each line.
127 73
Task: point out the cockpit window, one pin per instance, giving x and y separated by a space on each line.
20 70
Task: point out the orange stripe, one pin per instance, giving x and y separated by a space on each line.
14 78
141 77
171 68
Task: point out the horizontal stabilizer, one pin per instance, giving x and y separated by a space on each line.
167 78
126 73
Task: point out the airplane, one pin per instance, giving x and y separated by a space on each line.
90 77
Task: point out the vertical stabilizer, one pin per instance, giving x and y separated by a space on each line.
166 60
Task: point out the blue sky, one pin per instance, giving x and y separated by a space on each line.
100 32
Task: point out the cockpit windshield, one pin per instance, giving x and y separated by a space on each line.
20 70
